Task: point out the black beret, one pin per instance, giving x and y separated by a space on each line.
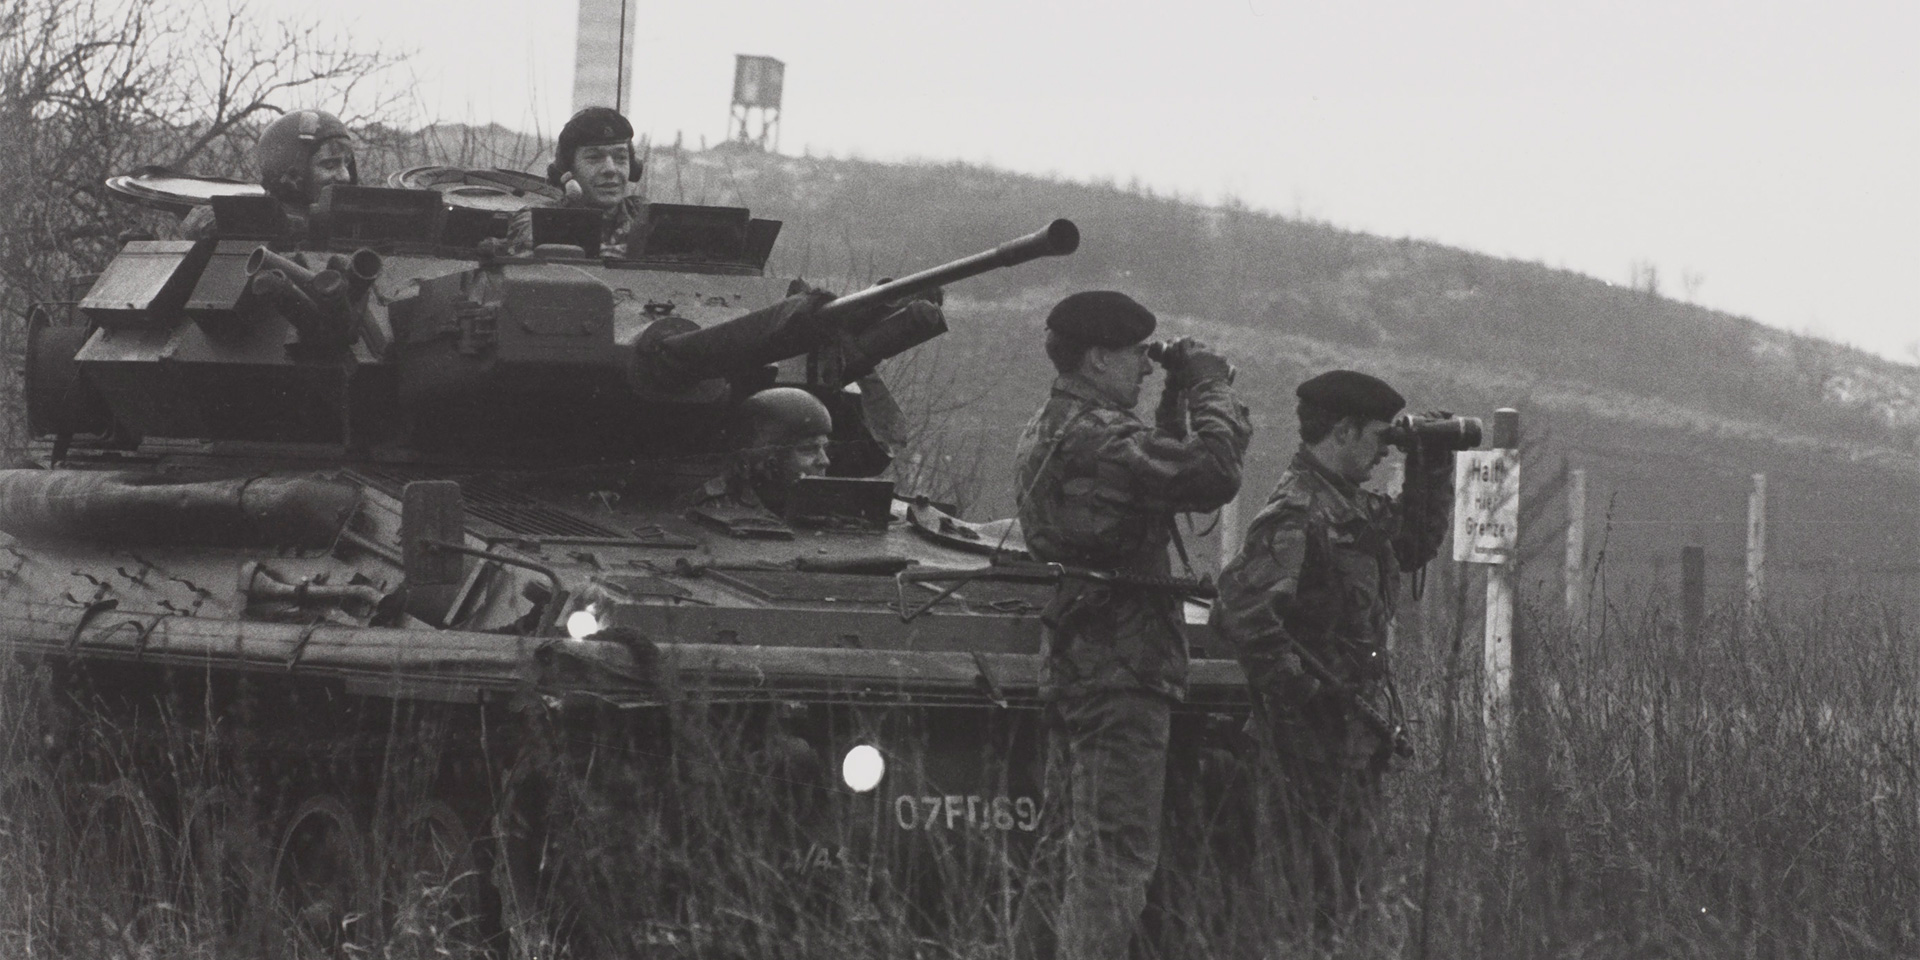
591 127
1101 318
1349 393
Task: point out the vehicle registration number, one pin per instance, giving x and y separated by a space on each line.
966 811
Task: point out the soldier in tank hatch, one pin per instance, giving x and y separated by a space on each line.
777 436
298 154
595 163
1097 487
1317 579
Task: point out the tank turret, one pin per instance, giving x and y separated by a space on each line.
436 347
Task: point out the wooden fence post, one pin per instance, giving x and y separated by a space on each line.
1576 543
1497 708
1756 544
1693 591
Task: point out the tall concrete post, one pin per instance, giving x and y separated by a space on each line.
603 55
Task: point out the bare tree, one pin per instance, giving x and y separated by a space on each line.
943 459
248 71
94 88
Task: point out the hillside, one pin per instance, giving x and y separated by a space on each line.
1669 407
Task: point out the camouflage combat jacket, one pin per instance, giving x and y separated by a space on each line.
731 500
1097 487
619 224
1321 567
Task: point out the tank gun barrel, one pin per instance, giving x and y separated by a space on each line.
774 334
1056 239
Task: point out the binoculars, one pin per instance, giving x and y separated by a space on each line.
1163 352
1408 431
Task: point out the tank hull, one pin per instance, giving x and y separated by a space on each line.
374 597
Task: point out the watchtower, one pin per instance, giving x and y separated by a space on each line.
756 88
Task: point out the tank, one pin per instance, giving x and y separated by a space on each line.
366 608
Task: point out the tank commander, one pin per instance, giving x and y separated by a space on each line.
1306 604
776 437
595 163
298 154
1100 488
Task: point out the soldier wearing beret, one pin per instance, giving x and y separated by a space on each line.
1098 487
595 163
1317 577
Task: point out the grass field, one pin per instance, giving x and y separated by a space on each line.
1750 793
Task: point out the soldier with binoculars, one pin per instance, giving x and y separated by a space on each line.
1098 488
1307 604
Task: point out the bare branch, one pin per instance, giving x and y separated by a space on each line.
93 88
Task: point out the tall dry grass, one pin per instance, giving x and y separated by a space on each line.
1751 792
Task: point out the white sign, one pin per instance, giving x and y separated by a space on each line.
1486 505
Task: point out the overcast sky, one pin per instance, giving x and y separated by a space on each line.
1768 151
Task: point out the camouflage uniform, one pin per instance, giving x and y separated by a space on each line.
1321 568
618 225
198 224
1099 488
732 487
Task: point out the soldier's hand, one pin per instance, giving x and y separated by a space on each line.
801 308
1294 679
811 299
1171 354
1203 364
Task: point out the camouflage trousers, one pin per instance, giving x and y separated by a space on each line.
1321 814
1106 772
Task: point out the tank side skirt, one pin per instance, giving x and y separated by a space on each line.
505 662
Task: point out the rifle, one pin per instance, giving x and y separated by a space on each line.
1392 731
1036 571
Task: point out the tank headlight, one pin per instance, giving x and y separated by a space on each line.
863 768
583 623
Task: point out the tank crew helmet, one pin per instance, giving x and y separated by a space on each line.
780 417
1101 318
779 436
1349 393
285 153
593 127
